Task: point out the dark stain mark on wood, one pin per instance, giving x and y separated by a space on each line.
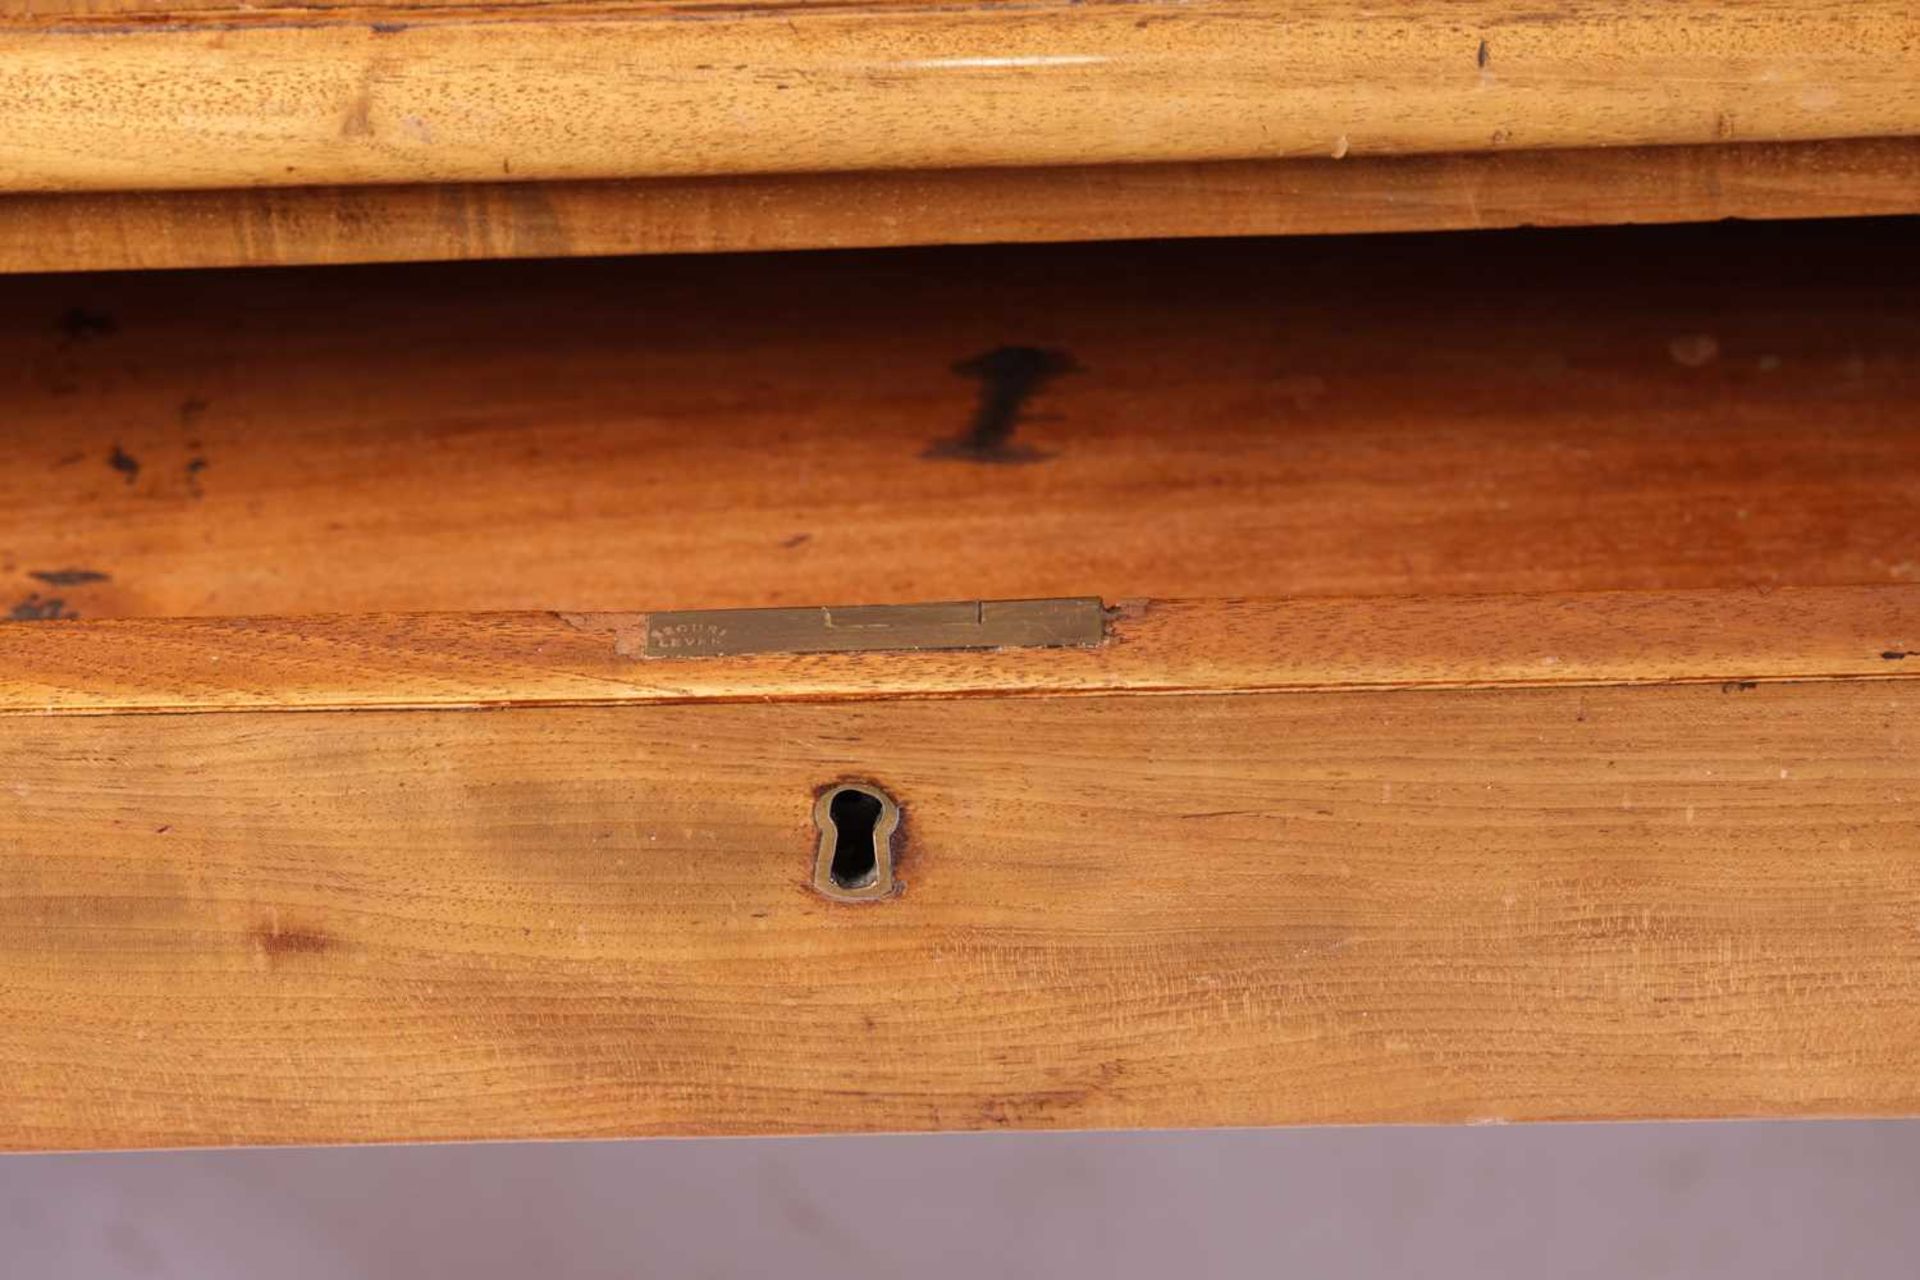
68 577
68 460
797 540
1009 378
1480 58
1739 686
80 324
276 941
36 609
125 463
163 828
190 410
388 28
195 466
1894 655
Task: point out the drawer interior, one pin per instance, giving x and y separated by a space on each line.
1539 412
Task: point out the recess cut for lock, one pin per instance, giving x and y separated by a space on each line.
855 859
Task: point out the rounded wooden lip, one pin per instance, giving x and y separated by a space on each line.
405 94
122 230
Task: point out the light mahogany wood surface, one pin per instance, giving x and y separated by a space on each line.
1670 409
1635 838
288 225
495 660
102 96
1482 906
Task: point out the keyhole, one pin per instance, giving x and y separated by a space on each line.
855 859
855 814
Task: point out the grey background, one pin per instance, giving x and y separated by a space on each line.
1694 1200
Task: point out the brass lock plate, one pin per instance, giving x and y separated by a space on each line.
961 624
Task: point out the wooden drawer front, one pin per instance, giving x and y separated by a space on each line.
1358 904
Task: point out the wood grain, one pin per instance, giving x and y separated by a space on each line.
291 225
1671 409
452 660
1422 906
227 97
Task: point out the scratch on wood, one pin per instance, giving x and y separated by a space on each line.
358 122
272 940
629 630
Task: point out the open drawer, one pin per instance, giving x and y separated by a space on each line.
1480 688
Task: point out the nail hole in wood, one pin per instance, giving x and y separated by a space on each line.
855 859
